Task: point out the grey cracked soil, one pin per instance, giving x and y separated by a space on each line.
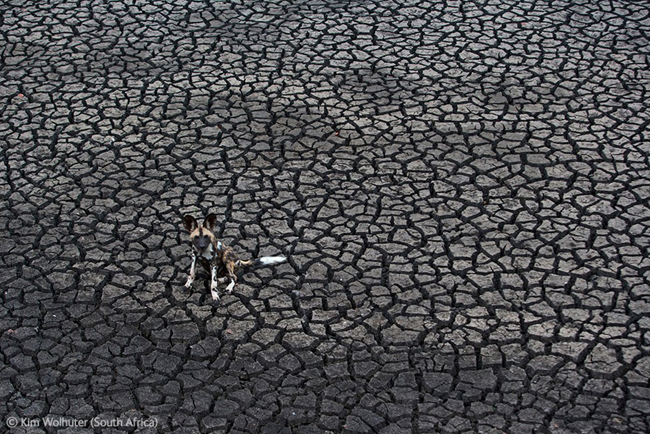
463 189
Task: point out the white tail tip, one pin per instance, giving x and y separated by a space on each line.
270 260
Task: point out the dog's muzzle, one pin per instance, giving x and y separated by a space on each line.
201 243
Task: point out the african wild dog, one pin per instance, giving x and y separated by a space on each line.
218 259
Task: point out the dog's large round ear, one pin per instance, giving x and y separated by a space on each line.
190 223
210 222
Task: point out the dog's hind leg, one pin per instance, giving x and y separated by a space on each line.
231 285
230 268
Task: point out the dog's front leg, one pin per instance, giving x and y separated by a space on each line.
213 284
190 278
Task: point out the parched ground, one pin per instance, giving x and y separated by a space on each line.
462 188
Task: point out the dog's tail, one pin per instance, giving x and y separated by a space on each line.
263 261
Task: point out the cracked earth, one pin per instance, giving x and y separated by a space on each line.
462 189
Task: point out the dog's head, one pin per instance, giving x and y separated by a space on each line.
201 237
